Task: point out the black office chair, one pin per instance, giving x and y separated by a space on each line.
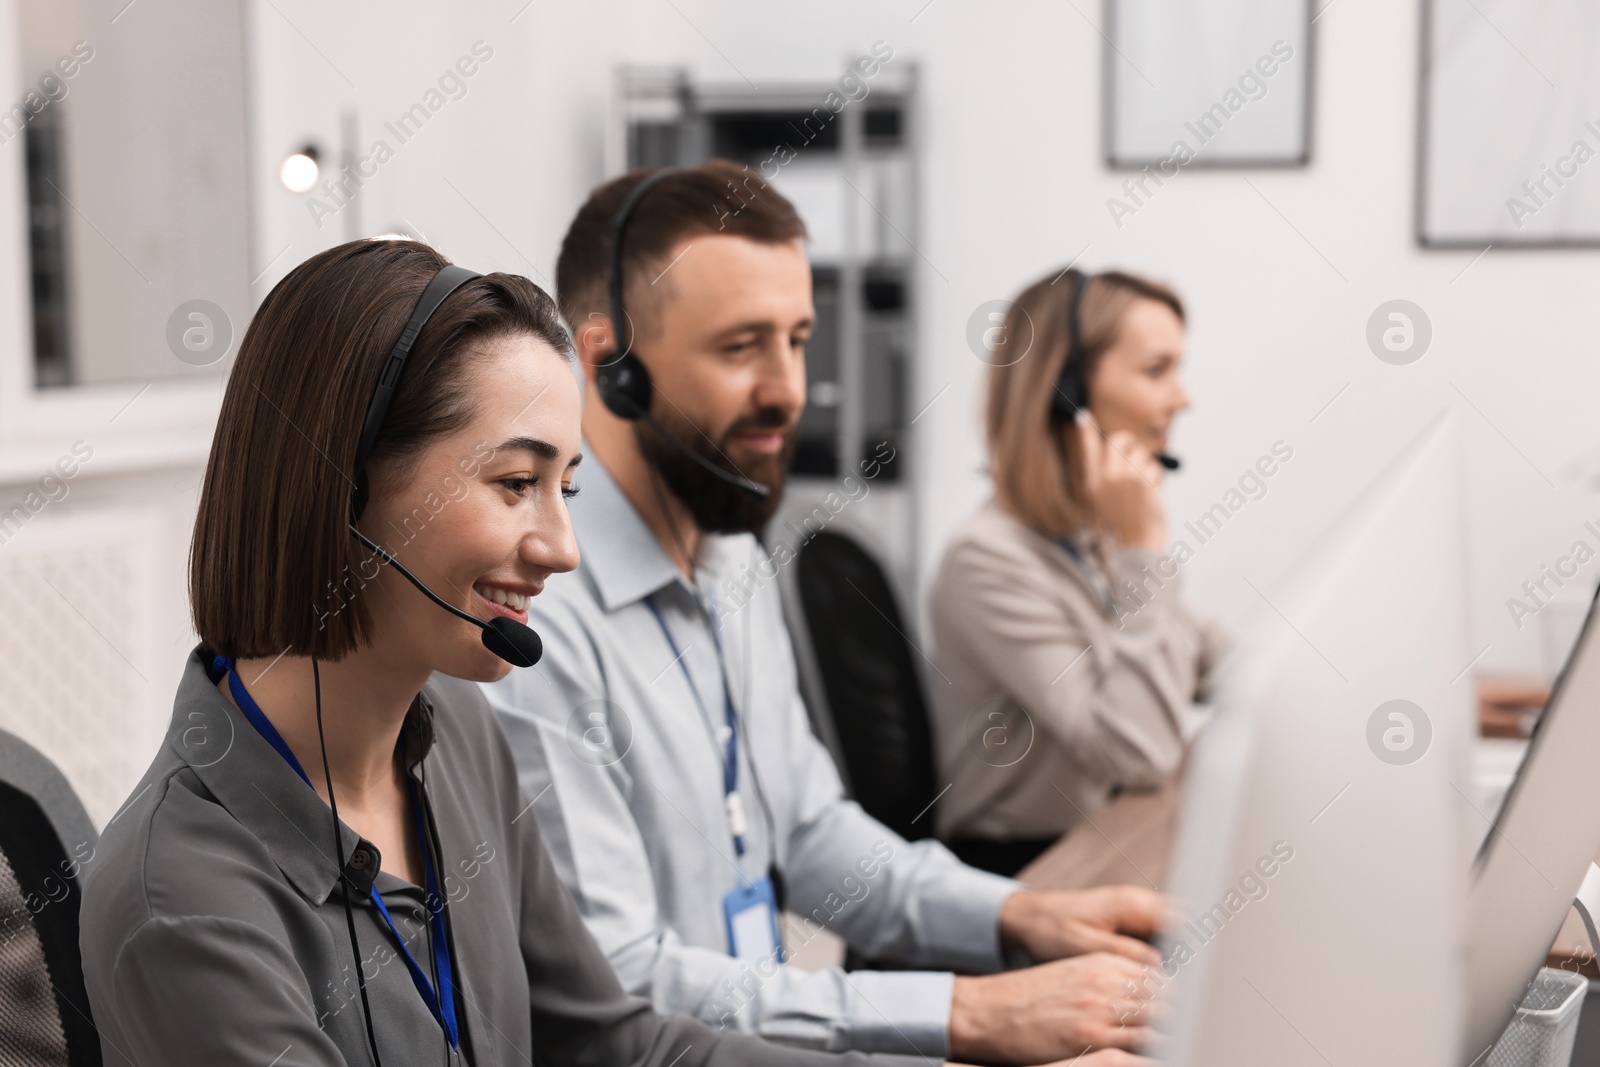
870 681
45 838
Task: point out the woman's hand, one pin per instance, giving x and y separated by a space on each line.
1123 480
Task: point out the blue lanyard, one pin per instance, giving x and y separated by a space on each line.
730 769
1089 573
443 1008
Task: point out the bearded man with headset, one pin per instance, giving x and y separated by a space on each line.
662 741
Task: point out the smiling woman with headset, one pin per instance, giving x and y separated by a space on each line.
1073 665
329 862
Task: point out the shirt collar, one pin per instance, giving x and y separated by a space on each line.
263 793
620 553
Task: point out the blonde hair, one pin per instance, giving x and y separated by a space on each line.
1037 476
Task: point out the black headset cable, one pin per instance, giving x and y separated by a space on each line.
344 875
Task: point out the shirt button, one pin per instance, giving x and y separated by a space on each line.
360 858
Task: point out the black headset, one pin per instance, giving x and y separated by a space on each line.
624 385
1072 388
623 380
510 640
1072 391
513 642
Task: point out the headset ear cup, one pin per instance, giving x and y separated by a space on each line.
1068 397
624 385
1059 410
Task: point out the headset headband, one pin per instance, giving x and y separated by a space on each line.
1074 320
618 226
1072 391
447 281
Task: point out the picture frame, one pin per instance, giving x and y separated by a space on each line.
1210 83
1508 125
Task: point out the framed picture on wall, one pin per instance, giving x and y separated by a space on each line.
1207 83
1508 124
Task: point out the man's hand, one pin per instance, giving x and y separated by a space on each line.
1052 923
1042 1014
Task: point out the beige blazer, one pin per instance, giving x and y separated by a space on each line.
1056 681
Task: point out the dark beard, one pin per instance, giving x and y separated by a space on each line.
717 506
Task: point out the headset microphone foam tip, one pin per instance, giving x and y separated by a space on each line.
518 645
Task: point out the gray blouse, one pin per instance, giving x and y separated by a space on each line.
213 929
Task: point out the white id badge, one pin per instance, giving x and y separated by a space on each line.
752 916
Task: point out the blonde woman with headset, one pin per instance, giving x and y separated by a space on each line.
1074 666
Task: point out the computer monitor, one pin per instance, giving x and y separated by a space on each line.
1533 859
1323 846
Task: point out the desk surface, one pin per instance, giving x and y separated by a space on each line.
1131 838
1128 840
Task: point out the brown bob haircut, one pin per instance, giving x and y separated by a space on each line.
1037 477
272 563
717 197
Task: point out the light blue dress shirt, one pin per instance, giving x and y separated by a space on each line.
623 764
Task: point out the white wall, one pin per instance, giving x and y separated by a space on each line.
1280 268
1276 331
92 568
